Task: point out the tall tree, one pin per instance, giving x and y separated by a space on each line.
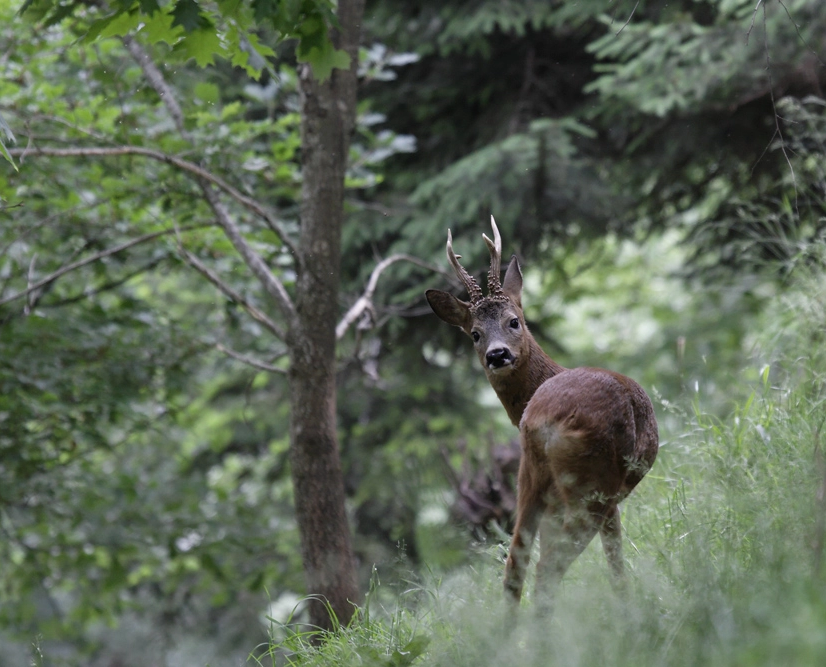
328 111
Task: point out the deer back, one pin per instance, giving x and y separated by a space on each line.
590 431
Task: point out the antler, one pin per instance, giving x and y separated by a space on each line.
495 248
468 281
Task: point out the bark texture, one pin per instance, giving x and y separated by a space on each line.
328 112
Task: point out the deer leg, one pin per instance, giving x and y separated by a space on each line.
529 509
563 536
520 552
610 532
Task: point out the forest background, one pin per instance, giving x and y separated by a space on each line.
658 167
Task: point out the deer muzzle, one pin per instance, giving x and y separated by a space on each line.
499 357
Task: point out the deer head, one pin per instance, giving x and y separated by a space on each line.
494 322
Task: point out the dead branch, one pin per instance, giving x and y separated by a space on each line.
365 302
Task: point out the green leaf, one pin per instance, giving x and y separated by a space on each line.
324 60
149 7
118 25
187 14
96 28
264 10
6 130
410 651
315 48
160 27
202 45
5 154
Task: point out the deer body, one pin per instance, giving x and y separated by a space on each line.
588 435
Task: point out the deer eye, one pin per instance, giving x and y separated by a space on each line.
475 335
514 323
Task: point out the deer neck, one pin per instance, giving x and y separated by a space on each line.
516 389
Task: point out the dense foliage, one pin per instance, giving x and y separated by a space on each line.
657 165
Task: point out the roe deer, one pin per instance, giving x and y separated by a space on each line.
588 435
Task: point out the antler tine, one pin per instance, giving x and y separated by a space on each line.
495 248
468 281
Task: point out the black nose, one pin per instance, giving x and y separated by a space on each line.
498 357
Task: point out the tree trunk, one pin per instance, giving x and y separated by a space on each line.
328 112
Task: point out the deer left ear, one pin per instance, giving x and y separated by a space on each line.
450 309
512 287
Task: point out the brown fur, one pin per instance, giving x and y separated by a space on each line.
588 437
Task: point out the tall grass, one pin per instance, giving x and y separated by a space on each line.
722 544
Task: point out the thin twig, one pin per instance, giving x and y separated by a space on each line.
774 108
802 39
255 363
765 150
45 221
753 16
628 20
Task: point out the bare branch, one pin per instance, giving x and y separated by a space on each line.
253 260
753 16
255 363
232 294
365 302
62 271
155 78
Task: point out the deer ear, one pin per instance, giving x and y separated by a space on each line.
449 308
513 282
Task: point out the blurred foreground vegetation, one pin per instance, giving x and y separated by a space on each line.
664 185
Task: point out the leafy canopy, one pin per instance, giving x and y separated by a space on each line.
205 31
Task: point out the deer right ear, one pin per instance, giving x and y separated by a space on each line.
512 287
450 309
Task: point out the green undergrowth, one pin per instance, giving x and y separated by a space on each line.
722 543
